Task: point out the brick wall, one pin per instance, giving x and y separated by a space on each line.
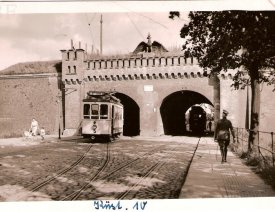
23 98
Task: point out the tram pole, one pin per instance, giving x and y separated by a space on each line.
59 128
59 98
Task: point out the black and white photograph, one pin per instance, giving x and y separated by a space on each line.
119 100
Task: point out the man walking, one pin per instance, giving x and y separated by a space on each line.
222 134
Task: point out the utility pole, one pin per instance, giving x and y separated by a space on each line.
101 22
59 104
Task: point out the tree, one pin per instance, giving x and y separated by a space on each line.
239 40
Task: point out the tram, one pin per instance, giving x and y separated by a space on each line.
102 116
197 120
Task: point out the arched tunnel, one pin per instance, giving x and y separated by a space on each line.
174 107
131 125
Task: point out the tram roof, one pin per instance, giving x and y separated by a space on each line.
101 96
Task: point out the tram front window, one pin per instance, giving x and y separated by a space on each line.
95 111
103 111
86 111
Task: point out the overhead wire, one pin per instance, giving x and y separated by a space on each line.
144 16
136 27
89 22
156 22
140 14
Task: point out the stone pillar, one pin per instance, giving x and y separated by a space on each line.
215 82
160 130
148 112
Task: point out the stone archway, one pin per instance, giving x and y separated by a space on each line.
174 107
131 125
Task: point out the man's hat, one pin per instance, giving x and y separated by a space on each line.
225 112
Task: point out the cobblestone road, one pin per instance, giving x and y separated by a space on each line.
152 168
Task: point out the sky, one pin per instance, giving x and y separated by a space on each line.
38 37
38 31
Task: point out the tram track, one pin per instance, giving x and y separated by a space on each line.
110 174
150 174
75 195
63 171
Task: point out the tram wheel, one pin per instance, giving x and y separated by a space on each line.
111 138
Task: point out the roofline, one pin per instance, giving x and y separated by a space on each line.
27 76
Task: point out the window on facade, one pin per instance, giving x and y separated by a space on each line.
75 55
86 111
103 111
69 69
68 55
74 69
95 111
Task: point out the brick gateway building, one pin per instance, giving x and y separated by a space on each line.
155 86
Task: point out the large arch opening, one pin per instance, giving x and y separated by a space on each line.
173 111
131 125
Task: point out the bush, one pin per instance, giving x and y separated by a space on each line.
268 174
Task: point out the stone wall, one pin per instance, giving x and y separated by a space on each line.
235 101
25 97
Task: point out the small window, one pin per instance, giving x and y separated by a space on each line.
68 55
86 111
95 111
74 69
75 55
69 69
103 111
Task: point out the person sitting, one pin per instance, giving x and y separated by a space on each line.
42 133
